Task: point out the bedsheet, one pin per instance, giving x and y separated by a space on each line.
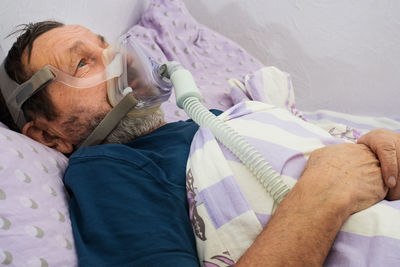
228 207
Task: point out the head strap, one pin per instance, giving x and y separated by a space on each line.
16 94
110 121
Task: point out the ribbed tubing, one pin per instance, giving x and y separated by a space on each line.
269 178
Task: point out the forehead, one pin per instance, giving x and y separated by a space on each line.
56 43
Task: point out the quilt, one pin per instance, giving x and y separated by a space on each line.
228 207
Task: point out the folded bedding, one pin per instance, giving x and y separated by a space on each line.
229 207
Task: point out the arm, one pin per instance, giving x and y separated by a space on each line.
300 233
334 185
386 145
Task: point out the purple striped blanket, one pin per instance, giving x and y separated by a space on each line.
228 207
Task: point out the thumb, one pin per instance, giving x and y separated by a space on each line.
386 153
388 159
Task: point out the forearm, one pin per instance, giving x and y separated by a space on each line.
300 233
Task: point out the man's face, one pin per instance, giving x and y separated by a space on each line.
76 51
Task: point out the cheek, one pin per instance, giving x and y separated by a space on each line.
87 101
81 116
95 98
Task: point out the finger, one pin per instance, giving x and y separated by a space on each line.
387 154
394 193
398 159
389 164
363 139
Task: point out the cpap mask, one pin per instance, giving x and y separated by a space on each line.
137 85
138 74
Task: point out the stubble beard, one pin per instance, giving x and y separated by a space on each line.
126 130
130 128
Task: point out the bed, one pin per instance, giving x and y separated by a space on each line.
34 217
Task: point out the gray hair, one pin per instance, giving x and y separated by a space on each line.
130 128
39 104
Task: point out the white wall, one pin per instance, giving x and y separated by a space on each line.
332 48
108 17
1 53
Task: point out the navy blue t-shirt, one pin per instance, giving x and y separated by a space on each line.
128 202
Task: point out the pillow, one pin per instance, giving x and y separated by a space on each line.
34 220
167 31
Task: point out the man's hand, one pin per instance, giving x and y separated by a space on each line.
346 172
337 182
386 145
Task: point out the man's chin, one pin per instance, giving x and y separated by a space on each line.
141 113
130 127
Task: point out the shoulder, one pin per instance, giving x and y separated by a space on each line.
116 153
101 151
108 160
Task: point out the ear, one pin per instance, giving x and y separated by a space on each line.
43 136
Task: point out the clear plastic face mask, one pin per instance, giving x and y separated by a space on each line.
128 70
139 75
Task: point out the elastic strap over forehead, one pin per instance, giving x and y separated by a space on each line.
16 94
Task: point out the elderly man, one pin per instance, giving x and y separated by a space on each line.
128 202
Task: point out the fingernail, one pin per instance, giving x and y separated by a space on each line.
392 181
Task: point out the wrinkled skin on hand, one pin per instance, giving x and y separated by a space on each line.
336 182
386 145
349 174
